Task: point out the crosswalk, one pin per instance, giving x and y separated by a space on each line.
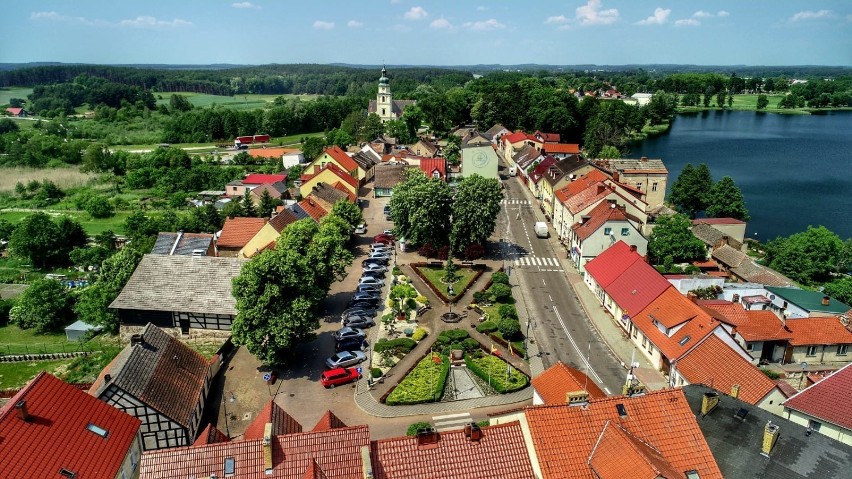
512 201
546 264
451 422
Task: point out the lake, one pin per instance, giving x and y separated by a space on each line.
793 170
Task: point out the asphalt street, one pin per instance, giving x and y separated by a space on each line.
556 319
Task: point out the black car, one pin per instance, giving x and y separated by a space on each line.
352 344
379 261
373 274
363 304
368 288
367 296
359 311
359 322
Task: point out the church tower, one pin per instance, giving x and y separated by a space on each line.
384 100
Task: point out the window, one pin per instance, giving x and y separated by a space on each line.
811 351
692 475
639 186
814 425
749 346
654 186
625 231
229 466
383 99
644 341
607 231
842 349
98 430
635 331
383 112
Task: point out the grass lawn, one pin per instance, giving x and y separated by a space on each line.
493 370
425 383
92 226
434 275
236 102
13 92
16 375
14 340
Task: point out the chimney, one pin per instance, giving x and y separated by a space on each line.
615 176
709 402
366 463
21 408
475 433
724 240
735 391
137 339
601 188
693 297
427 438
267 447
633 248
826 300
644 158
770 435
574 398
107 378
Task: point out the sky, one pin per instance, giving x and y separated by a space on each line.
429 32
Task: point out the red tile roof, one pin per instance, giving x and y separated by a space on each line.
618 454
608 266
637 286
515 137
671 308
341 157
344 176
715 364
500 453
558 380
828 399
565 148
564 436
690 334
599 215
820 330
548 137
580 184
314 471
14 110
752 325
57 436
341 187
588 197
259 179
541 169
428 165
237 231
313 207
282 423
328 421
210 435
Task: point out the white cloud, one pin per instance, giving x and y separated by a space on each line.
416 13
245 5
592 14
146 21
722 13
660 16
143 21
557 19
687 22
321 25
354 24
811 15
702 14
484 25
441 24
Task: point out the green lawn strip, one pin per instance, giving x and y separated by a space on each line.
14 340
493 371
434 274
7 94
425 383
16 375
246 101
85 369
93 226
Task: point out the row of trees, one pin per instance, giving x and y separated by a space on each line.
694 192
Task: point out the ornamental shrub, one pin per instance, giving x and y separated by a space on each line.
508 311
501 293
398 345
500 277
486 327
454 335
419 334
509 328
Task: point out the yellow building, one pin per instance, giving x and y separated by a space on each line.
332 174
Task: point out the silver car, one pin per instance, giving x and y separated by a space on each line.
345 359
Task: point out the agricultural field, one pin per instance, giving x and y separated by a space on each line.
237 102
64 178
13 92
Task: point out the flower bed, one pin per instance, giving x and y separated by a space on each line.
424 383
492 370
431 275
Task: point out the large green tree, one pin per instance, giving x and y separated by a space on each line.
93 303
47 243
690 190
840 289
279 291
421 209
725 200
475 208
808 257
762 102
672 237
349 212
661 108
43 306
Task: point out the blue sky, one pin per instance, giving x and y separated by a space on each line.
419 32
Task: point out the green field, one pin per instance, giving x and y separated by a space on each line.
92 226
16 375
237 102
749 103
13 92
14 340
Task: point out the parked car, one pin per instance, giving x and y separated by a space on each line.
358 311
369 288
371 280
370 304
344 359
380 247
360 229
339 376
346 332
380 261
374 273
380 255
383 238
354 344
389 234
359 322
366 299
375 267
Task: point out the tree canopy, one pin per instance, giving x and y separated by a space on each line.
45 242
689 193
808 257
475 208
92 305
43 306
725 200
421 209
672 237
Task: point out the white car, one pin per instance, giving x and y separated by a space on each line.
360 229
380 255
371 280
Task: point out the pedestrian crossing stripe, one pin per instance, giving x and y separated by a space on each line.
535 261
514 202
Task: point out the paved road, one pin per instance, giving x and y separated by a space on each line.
557 320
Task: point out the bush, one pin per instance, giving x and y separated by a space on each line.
425 383
419 334
427 251
454 335
770 374
487 327
422 300
500 277
474 251
99 207
376 373
509 328
508 311
398 345
396 271
410 303
470 345
500 292
480 297
412 429
44 306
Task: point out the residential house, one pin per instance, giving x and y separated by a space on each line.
475 138
266 237
383 144
366 164
316 207
251 181
480 160
388 175
650 435
561 150
403 156
558 382
371 153
543 137
824 408
579 200
647 175
713 237
277 191
162 382
424 148
51 429
384 105
731 227
16 112
802 303
463 131
512 142
563 219
332 194
761 332
605 224
741 267
289 157
559 174
750 442
536 173
186 244
819 340
336 156
434 168
331 174
236 232
188 293
523 160
495 133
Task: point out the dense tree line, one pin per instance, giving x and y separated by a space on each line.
61 98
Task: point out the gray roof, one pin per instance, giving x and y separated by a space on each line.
162 372
746 268
736 444
186 243
388 175
632 164
494 130
563 167
525 156
364 160
712 236
195 284
328 193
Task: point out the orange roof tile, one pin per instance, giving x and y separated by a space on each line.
580 184
671 308
678 307
270 152
589 196
340 187
569 148
282 423
237 231
341 157
715 364
824 330
501 452
313 207
328 421
210 435
344 176
752 325
558 380
564 436
598 216
637 287
618 454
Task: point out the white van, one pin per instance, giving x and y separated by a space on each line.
541 229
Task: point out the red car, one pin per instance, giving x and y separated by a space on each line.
383 238
338 376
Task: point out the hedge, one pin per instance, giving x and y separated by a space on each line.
419 334
425 382
486 327
495 367
399 345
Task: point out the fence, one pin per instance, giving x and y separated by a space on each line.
12 349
